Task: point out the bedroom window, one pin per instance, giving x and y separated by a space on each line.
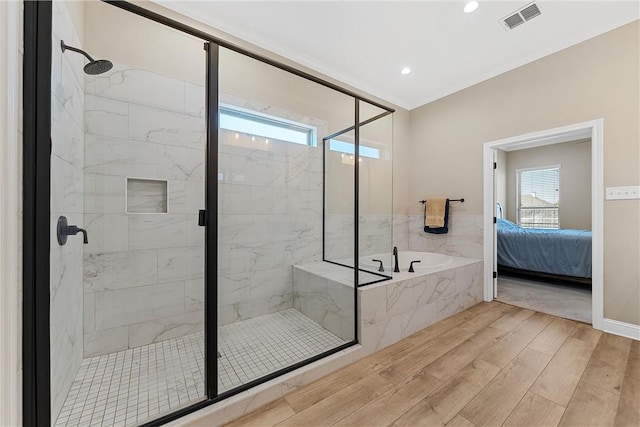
538 197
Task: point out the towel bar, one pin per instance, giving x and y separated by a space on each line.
451 200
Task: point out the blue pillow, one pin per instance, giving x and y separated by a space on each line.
505 223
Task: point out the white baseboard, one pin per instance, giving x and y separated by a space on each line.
627 330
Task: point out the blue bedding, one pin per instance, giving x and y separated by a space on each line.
565 252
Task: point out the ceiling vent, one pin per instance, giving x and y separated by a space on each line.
520 16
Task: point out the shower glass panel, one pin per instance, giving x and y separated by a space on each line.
339 216
375 195
127 167
275 309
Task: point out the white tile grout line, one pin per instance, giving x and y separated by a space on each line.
135 385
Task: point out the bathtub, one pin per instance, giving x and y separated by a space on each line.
429 261
392 309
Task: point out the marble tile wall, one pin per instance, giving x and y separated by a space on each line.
401 231
375 235
270 199
464 238
67 187
143 272
144 125
378 235
270 218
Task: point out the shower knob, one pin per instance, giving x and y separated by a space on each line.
64 230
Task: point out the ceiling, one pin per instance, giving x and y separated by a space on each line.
366 43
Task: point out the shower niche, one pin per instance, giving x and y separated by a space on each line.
204 178
145 195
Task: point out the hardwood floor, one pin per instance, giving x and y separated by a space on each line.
491 365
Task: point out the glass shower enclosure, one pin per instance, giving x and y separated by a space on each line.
212 214
270 188
128 168
358 204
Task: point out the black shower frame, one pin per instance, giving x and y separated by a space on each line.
36 393
356 202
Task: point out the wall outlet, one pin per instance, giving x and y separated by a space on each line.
621 193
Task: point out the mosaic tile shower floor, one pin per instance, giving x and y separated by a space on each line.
132 386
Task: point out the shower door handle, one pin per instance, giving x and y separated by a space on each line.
202 218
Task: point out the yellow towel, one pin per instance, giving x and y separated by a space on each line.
434 212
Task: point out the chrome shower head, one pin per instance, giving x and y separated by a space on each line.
94 66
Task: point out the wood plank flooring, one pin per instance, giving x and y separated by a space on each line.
491 365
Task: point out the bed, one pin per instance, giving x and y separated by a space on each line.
563 254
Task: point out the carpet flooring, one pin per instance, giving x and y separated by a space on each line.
570 302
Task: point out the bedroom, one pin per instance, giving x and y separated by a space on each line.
543 203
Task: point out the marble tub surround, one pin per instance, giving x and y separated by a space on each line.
335 272
392 310
144 164
389 310
464 238
324 293
67 187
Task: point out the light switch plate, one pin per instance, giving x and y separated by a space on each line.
623 193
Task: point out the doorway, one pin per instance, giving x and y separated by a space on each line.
591 130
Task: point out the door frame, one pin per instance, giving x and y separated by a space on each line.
591 129
10 199
36 383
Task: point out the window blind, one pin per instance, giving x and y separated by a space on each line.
538 204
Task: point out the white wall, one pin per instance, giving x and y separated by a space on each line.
11 59
574 158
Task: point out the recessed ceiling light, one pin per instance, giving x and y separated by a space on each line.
470 6
405 71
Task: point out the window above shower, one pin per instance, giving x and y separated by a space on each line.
264 128
349 148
